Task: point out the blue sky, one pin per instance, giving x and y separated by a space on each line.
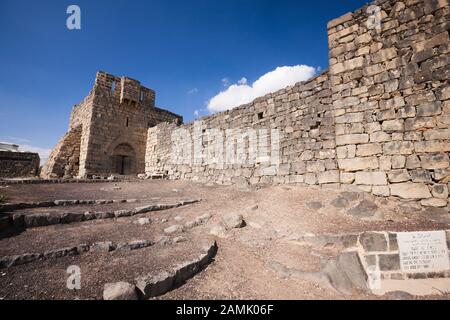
182 49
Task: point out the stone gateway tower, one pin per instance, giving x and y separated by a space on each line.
108 131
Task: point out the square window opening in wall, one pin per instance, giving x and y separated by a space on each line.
260 115
113 86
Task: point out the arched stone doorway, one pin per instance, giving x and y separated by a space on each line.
124 160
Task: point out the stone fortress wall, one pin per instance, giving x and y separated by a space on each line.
14 164
379 118
108 130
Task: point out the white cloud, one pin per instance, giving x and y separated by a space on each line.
192 91
225 82
16 139
242 81
241 92
43 153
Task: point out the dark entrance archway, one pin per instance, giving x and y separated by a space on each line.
124 160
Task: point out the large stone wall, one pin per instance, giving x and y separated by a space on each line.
378 119
18 164
64 160
111 122
390 98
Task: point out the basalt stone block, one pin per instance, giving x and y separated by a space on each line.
104 215
122 213
69 217
144 209
105 246
18 220
36 219
5 222
372 241
389 262
155 285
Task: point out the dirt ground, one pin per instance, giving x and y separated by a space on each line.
247 264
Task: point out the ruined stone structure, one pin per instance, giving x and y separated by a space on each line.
107 131
15 164
379 118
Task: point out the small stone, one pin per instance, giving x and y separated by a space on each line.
179 239
163 240
233 220
218 231
143 221
119 291
173 229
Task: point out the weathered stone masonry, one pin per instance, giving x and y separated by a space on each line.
379 118
108 130
18 164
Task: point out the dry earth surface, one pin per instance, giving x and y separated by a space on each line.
262 260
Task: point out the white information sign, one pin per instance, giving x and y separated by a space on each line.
423 251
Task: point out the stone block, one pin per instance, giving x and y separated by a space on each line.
310 178
352 139
328 177
435 161
358 164
389 262
393 125
347 178
350 118
340 20
380 136
376 178
315 166
381 191
400 175
409 190
373 241
437 134
398 162
370 149
429 109
434 202
420 175
384 55
440 191
398 147
432 146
